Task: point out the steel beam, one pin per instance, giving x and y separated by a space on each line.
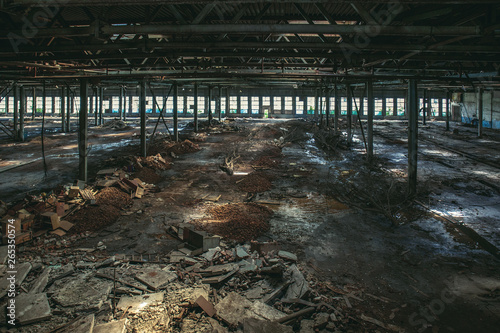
16 112
33 105
121 105
328 107
412 136
69 109
63 112
337 110
101 97
349 114
219 104
480 112
424 109
83 127
448 101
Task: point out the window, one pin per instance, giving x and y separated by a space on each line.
443 103
213 105
244 104
180 104
401 106
223 105
299 105
190 104
105 105
434 107
288 103
169 108
277 103
255 105
310 105
233 104
266 101
332 105
150 106
378 107
365 106
158 106
116 104
343 106
135 104
201 104
355 105
2 105
389 106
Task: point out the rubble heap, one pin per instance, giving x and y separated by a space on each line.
255 183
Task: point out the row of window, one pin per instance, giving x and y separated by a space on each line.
279 104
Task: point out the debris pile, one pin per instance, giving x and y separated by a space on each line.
113 197
93 218
177 148
156 162
240 221
255 183
118 125
148 175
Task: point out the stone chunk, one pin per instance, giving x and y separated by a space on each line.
287 255
117 326
32 308
82 325
155 279
84 294
138 303
307 326
41 282
299 286
251 325
265 311
321 320
21 270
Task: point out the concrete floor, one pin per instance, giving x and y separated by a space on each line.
424 275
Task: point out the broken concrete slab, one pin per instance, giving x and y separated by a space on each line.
321 320
241 252
82 325
246 267
206 306
155 278
287 255
118 326
32 308
216 327
81 293
41 282
218 269
233 309
265 311
299 286
210 254
135 304
307 326
251 325
254 293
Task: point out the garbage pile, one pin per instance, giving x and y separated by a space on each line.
117 125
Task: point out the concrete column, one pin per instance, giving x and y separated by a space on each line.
33 105
44 98
142 111
249 105
53 102
238 104
110 105
22 112
395 106
260 105
328 107
370 114
384 107
448 102
196 106
480 112
130 103
121 103
412 136
82 133
176 112
440 114
63 112
219 106
184 103
349 114
424 111
336 112
316 102
69 109
227 102
96 110
294 103
16 112
361 107
209 109
101 100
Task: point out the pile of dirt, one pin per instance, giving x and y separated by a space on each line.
148 175
156 162
239 221
255 183
178 148
117 125
267 132
93 218
266 162
113 197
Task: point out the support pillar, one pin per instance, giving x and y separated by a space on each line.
195 106
370 114
328 106
209 109
424 111
82 133
316 103
130 100
176 112
142 111
101 98
228 109
480 113
96 110
395 106
121 104
349 114
33 105
22 112
448 102
336 113
384 107
219 108
63 112
16 112
412 136
440 114
69 109
53 104
44 98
